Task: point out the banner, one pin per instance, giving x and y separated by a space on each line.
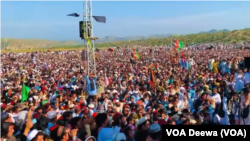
199 132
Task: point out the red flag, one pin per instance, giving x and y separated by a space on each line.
176 44
110 49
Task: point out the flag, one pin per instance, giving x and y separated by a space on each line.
136 55
178 45
100 19
25 93
111 50
74 15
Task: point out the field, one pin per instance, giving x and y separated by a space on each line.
29 45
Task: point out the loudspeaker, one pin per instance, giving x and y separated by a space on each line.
247 62
82 28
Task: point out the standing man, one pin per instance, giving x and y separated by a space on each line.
91 87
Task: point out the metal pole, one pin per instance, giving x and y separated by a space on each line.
171 43
89 41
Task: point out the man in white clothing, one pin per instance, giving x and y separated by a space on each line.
216 96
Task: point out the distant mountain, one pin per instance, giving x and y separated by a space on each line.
130 38
214 31
212 36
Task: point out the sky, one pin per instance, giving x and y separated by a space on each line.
48 20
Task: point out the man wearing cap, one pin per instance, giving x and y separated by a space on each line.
52 116
35 135
155 132
5 117
143 124
136 96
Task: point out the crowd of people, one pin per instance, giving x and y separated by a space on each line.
128 99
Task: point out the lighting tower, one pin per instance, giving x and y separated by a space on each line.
89 41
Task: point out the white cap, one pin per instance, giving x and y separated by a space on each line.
71 105
91 137
32 134
51 114
91 105
141 120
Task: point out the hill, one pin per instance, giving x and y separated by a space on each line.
34 43
212 36
131 38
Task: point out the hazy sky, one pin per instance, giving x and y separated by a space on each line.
48 20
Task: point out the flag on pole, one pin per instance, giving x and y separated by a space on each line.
100 19
178 45
25 93
74 15
136 55
111 50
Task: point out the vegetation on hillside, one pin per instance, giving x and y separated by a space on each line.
33 43
27 45
218 37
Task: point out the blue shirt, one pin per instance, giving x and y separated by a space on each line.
49 126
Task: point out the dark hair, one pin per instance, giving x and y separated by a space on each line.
172 109
185 111
54 133
73 122
66 114
130 118
206 114
141 135
246 90
170 121
42 123
117 121
126 130
156 115
100 119
14 109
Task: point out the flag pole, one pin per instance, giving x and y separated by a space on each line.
171 43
